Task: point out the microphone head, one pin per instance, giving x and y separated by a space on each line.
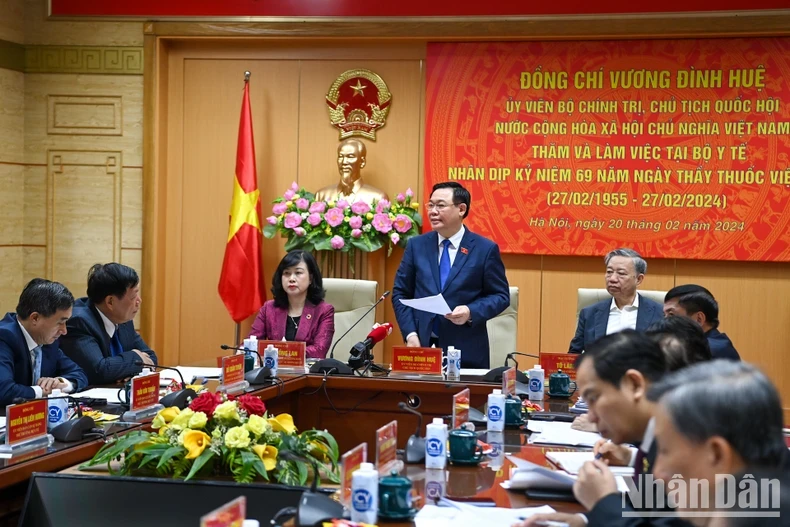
225 347
402 405
380 332
385 294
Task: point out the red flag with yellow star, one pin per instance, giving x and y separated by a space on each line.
241 282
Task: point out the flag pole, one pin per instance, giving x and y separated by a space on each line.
238 334
246 76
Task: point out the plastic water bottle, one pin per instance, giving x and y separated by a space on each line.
250 354
57 411
536 383
496 411
435 444
496 458
453 364
271 359
365 494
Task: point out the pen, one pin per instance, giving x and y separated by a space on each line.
599 455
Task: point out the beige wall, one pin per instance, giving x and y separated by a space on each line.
70 149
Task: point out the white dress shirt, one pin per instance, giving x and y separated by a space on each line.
31 345
109 327
620 319
647 441
455 243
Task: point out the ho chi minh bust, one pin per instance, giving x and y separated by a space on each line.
350 162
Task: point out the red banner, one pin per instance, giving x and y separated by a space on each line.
26 421
425 361
232 369
554 362
679 149
145 391
290 354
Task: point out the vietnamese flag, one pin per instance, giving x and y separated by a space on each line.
240 284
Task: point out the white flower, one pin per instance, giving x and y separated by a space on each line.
305 215
367 227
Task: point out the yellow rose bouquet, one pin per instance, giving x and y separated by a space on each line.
220 436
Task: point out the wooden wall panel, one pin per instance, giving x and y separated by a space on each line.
524 272
83 203
132 209
12 14
212 100
11 271
35 208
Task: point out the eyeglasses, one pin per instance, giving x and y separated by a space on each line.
438 206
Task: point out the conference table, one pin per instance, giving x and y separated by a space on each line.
352 409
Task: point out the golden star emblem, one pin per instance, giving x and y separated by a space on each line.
359 89
242 209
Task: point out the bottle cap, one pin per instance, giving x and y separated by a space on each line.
145 371
537 367
497 391
55 392
251 523
438 421
367 467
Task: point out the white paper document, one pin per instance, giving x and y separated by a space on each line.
189 373
552 433
571 462
111 394
430 304
463 515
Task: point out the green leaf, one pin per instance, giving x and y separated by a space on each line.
324 244
417 218
294 242
270 231
199 462
169 453
303 472
260 469
334 451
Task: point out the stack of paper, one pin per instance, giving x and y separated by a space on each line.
554 433
571 462
580 407
455 514
528 475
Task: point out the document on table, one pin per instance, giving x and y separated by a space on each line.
430 304
552 433
464 515
189 373
111 394
571 462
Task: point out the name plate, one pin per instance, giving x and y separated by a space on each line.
290 354
144 392
424 361
553 362
231 514
386 447
461 408
232 370
25 421
509 381
351 461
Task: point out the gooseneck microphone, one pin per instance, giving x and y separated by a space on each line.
495 375
255 375
332 365
181 398
361 350
415 446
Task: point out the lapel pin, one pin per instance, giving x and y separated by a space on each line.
308 316
464 250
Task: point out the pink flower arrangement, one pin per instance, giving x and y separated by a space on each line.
316 226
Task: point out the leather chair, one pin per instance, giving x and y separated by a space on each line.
588 297
503 331
350 298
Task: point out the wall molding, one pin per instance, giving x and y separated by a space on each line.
12 56
99 60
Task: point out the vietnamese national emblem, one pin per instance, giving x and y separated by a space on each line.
358 103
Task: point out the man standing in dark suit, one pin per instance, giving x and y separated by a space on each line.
698 304
625 270
464 267
31 363
101 336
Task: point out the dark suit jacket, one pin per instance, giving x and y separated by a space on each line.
88 344
316 326
477 280
16 370
608 512
593 320
721 346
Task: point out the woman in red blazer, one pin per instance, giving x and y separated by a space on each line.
298 311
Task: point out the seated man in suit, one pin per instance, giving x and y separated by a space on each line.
714 419
614 375
698 304
681 340
625 270
464 267
101 336
31 363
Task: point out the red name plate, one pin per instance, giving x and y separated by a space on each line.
426 361
232 514
386 446
460 408
351 461
145 391
290 354
25 421
509 381
553 362
232 369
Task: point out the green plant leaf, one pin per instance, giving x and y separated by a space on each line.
294 242
260 469
199 462
169 453
324 244
270 231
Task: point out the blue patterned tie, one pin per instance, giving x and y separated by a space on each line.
36 364
444 272
115 344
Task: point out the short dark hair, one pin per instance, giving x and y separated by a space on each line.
728 399
315 291
460 194
43 297
696 302
110 279
615 354
682 340
680 290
